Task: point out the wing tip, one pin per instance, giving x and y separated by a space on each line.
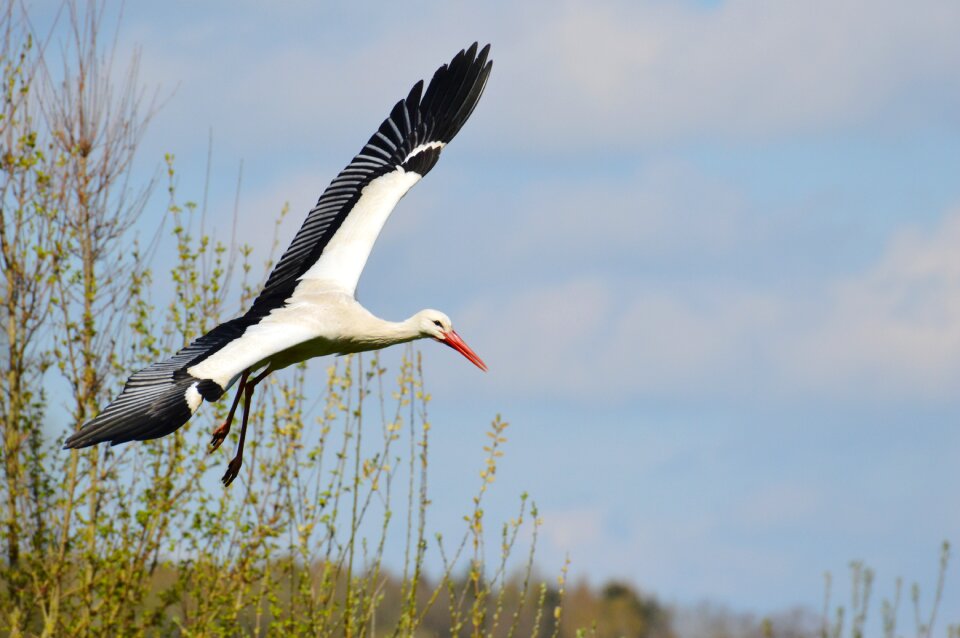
455 90
159 415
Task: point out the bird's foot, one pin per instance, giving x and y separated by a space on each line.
233 469
219 436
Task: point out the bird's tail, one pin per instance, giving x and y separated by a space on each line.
159 399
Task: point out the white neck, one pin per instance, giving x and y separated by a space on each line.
379 333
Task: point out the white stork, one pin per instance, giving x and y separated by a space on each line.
307 307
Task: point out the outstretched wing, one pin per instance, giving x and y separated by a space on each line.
335 240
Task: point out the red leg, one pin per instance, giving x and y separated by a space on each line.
233 469
224 429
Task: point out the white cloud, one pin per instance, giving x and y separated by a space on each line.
619 73
537 337
588 339
569 75
889 332
894 329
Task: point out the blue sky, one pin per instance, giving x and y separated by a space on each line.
709 251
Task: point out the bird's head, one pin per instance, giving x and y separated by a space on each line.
436 325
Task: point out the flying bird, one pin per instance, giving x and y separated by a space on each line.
307 307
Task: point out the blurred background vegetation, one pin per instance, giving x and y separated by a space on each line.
142 539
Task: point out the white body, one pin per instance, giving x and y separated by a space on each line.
322 317
316 322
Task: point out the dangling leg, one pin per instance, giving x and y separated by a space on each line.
233 469
224 429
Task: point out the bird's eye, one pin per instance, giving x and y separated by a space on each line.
437 323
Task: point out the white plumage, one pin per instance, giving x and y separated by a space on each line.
307 307
345 256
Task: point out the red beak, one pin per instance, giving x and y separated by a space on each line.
453 340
